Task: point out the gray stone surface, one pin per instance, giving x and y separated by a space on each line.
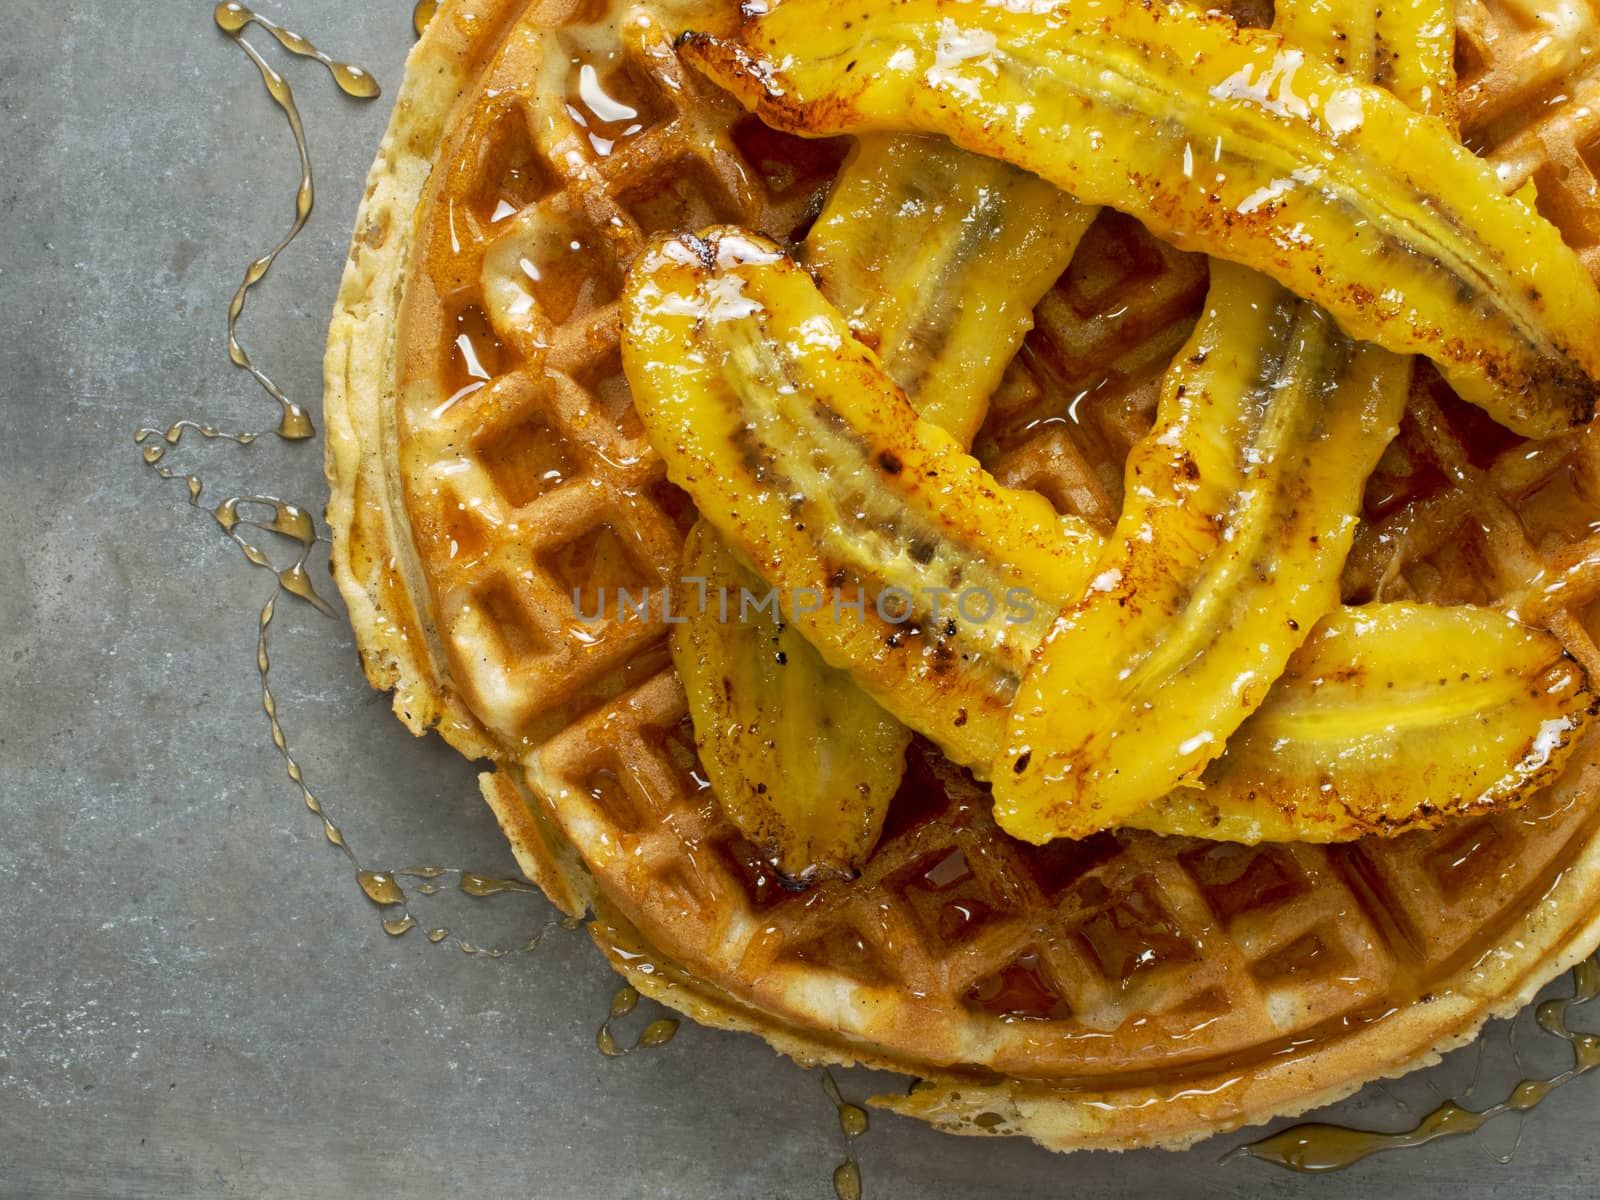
195 999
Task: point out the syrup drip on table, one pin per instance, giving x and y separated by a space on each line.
233 514
243 517
382 887
1317 1147
652 1037
852 1124
234 19
422 14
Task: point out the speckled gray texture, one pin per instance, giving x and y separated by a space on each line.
195 1000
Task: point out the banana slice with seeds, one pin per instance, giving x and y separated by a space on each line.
891 549
1222 139
1379 697
939 257
1240 509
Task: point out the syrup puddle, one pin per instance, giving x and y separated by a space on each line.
1316 1147
245 518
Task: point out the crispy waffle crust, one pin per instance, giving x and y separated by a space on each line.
489 476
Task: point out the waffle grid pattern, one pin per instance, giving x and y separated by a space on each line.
527 475
1529 95
532 484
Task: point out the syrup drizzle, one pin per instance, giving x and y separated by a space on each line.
383 887
1317 1147
234 19
852 1124
652 1037
242 517
232 515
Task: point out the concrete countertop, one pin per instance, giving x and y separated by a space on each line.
195 997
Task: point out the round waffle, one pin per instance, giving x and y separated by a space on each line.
490 477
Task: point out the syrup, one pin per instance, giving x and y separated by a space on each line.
1305 1147
608 108
1317 1147
232 514
852 1124
423 14
234 19
383 887
652 1037
243 517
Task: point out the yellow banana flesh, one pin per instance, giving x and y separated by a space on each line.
695 313
890 549
1380 694
1221 139
1241 504
802 761
937 257
1240 507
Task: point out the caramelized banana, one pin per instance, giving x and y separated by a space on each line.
1223 139
1241 504
805 456
895 554
1376 727
937 257
1240 508
802 760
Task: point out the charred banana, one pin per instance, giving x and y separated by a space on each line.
802 453
1240 509
1228 140
1240 506
803 761
1376 727
938 257
895 554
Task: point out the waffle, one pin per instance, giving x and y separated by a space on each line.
487 471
